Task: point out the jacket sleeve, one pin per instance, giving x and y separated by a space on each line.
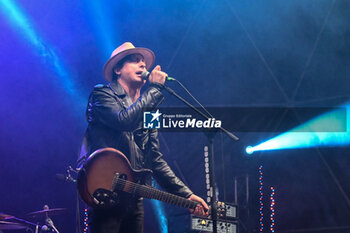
106 108
163 173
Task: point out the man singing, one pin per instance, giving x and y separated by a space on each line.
113 114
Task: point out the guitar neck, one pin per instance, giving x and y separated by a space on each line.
152 193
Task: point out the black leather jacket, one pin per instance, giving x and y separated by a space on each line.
114 121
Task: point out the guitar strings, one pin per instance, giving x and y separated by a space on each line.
160 195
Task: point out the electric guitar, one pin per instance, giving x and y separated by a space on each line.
107 173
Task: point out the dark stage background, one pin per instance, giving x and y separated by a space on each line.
228 53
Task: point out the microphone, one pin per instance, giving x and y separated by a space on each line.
65 178
68 176
61 177
145 75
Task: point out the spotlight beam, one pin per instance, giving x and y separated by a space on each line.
101 21
159 211
21 24
329 129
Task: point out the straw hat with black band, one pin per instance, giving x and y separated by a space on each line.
122 51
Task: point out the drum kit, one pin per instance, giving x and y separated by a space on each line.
44 222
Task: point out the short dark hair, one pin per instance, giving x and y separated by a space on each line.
136 57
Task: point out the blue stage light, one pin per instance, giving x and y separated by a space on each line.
101 22
158 208
162 220
249 150
16 17
329 129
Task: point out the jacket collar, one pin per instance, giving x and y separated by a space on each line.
117 89
120 92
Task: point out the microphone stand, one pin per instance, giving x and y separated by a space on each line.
210 136
171 91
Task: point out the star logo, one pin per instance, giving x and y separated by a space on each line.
151 120
156 115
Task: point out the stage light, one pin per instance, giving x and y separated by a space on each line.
162 220
17 18
272 208
22 24
261 203
249 150
329 129
158 208
86 219
101 22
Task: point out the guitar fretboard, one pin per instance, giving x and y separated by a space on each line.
152 193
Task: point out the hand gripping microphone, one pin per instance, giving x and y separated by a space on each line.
145 75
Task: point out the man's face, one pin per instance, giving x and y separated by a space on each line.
131 71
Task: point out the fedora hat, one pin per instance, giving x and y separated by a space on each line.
122 51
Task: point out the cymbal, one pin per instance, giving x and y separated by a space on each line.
5 216
43 213
4 225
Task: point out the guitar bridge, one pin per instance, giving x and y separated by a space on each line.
104 199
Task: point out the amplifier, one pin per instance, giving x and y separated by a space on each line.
227 210
204 224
